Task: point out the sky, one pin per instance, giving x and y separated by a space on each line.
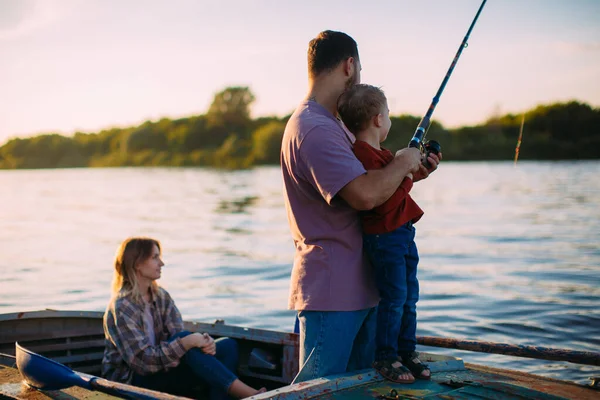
87 65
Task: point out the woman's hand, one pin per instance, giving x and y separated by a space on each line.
201 340
194 340
210 347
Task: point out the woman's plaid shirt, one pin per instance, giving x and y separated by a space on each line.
128 349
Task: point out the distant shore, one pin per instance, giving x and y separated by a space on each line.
226 137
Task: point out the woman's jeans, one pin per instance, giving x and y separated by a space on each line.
197 369
394 258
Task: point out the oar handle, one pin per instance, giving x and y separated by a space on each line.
542 353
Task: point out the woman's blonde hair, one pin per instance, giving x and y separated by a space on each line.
129 254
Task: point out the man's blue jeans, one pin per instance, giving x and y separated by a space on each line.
215 372
394 258
333 342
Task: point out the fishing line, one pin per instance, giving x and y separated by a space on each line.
303 365
519 139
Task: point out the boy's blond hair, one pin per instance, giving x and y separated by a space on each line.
359 104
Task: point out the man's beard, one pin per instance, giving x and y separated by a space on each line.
353 80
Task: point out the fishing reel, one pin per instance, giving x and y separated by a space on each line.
426 147
429 147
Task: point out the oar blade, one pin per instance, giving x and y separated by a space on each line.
42 373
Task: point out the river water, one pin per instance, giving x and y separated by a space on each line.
508 254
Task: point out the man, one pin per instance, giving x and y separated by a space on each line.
325 186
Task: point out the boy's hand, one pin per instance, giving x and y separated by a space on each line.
423 172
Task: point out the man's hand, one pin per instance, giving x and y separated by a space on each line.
411 158
424 172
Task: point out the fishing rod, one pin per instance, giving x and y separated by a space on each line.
418 139
519 139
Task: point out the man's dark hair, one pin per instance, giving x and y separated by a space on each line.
328 49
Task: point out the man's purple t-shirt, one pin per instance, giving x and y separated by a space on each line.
330 272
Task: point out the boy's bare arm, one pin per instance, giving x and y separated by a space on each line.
376 186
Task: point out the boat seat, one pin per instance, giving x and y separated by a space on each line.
261 359
80 349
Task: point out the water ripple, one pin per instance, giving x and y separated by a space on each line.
507 254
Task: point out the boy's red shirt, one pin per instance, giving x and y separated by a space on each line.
398 209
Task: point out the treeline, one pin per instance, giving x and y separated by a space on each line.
227 137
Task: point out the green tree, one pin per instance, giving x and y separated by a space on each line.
46 151
266 143
227 137
199 136
149 136
403 129
231 106
233 153
230 112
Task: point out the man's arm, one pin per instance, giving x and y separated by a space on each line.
376 186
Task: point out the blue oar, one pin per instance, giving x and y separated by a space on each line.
44 374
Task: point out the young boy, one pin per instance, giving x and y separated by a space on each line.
388 235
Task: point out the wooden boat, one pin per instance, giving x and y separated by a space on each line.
75 342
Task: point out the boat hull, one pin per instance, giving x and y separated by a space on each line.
267 358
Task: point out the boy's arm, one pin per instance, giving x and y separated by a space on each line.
399 195
372 189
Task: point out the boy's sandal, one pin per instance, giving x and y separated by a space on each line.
412 362
392 369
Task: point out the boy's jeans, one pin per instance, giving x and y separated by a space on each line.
334 342
394 258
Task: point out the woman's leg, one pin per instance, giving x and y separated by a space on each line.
179 381
219 371
227 353
159 381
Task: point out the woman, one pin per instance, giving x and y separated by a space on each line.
146 345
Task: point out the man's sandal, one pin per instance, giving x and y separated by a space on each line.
412 362
392 369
